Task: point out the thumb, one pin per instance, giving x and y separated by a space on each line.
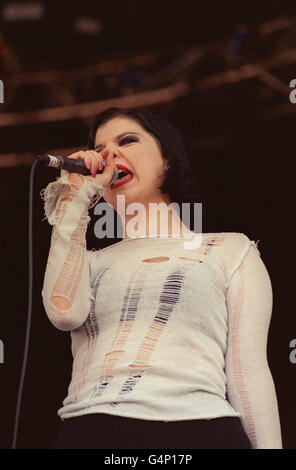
109 168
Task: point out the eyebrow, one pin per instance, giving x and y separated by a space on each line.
117 138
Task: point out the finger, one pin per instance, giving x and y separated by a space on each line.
110 160
106 175
86 158
98 159
80 155
87 161
95 160
110 165
90 160
105 152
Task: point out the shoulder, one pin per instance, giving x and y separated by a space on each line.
233 248
229 242
234 242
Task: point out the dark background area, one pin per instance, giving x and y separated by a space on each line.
233 63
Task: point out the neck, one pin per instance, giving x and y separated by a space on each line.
154 220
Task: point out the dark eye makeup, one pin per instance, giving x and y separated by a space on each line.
128 140
125 140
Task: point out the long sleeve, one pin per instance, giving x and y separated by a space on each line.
250 386
66 289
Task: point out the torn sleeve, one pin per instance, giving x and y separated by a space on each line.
66 291
250 386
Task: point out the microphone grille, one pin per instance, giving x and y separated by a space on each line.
54 161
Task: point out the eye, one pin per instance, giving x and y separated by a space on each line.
127 140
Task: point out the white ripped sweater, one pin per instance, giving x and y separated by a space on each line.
160 332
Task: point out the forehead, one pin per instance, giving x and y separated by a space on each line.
116 126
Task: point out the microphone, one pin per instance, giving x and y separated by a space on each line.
73 165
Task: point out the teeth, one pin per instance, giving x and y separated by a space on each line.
122 174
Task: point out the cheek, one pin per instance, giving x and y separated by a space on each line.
150 169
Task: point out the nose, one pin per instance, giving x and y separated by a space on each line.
112 148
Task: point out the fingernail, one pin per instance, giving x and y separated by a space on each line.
100 165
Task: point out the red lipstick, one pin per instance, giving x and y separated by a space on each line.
124 180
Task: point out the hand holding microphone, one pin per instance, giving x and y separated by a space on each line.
89 163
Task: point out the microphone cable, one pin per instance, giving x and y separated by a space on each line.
30 302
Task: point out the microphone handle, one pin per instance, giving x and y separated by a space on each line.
77 166
73 165
69 164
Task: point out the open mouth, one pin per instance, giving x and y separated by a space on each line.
124 177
